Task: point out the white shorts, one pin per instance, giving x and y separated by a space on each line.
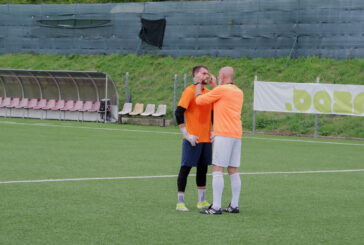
227 151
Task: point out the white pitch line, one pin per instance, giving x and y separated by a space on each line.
174 176
305 141
175 133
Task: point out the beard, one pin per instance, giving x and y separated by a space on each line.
204 81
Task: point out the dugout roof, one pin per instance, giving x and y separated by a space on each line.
66 85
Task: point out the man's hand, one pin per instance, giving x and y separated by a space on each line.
212 137
189 137
212 80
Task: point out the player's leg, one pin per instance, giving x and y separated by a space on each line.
189 160
201 186
181 185
202 167
220 160
235 180
235 190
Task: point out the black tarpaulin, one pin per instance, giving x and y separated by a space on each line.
152 31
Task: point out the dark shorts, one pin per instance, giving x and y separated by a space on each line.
194 155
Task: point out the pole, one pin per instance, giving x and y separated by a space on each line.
184 80
316 115
126 97
174 96
255 79
106 85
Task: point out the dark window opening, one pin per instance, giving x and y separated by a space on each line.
74 23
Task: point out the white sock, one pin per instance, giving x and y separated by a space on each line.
181 197
235 189
201 195
217 188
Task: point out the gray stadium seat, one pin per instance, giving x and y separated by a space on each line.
149 110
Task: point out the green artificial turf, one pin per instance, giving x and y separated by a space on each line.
277 206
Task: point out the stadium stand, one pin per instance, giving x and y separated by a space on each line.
57 95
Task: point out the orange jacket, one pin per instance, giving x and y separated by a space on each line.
198 117
228 102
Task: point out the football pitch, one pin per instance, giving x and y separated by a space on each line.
89 183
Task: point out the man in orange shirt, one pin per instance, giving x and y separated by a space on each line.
227 99
196 146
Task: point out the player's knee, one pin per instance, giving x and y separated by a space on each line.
232 170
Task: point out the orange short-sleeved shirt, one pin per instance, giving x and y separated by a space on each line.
228 102
197 117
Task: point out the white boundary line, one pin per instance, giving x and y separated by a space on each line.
176 133
174 176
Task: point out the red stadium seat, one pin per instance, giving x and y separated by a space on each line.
50 104
6 101
69 105
32 103
23 103
78 106
59 105
95 107
87 106
41 104
14 102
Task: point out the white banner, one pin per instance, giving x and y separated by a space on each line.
313 98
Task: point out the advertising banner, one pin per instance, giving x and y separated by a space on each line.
312 98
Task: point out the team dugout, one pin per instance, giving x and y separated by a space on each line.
63 95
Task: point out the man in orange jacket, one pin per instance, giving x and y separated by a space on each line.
227 100
194 122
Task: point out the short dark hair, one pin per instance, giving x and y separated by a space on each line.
197 69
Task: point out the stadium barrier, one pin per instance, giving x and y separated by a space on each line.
311 98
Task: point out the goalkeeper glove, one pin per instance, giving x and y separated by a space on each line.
189 137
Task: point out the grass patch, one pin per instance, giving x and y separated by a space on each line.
151 80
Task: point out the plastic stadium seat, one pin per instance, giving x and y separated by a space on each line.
50 104
59 105
149 110
95 107
161 111
6 102
69 105
126 109
41 104
86 106
138 109
78 106
14 102
23 103
32 103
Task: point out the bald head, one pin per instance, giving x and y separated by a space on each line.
226 75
